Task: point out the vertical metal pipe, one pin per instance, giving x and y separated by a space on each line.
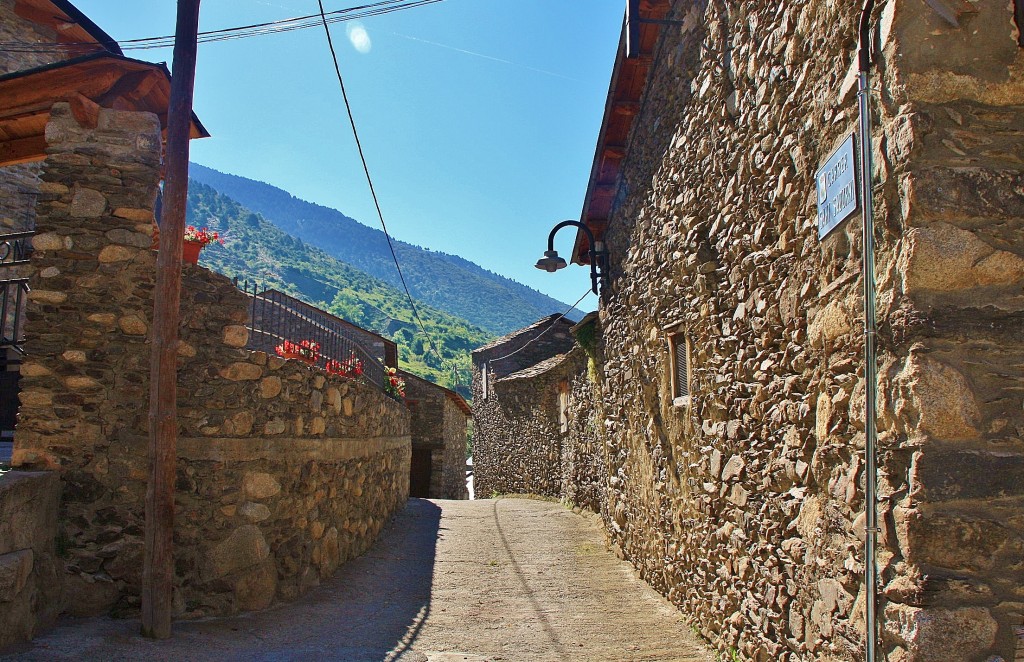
17 337
3 315
870 358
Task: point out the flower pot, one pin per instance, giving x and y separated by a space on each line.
301 357
190 252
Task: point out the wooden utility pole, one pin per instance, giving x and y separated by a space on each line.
158 567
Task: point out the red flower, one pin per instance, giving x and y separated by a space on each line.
202 236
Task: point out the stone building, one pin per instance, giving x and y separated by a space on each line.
728 395
439 425
516 394
284 471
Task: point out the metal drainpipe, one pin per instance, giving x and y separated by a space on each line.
870 359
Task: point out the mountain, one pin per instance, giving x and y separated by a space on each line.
256 249
447 282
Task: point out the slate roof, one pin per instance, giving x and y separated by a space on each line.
535 327
537 369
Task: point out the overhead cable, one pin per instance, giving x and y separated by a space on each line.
373 191
239 32
549 327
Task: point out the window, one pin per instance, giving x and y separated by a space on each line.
680 365
483 378
563 406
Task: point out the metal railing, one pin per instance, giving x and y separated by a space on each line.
276 317
15 249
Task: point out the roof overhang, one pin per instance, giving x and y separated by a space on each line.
74 30
629 80
89 82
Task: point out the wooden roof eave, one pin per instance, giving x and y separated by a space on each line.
625 91
99 79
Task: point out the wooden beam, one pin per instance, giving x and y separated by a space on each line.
85 110
27 94
24 150
625 107
26 111
616 151
158 555
129 88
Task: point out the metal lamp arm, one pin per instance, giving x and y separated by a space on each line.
581 226
594 275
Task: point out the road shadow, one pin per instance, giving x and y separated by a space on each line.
371 610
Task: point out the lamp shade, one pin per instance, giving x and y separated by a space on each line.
550 262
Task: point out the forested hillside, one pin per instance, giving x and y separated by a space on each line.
256 249
447 282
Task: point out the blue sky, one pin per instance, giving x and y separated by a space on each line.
479 118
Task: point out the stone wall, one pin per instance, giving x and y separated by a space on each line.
14 28
518 447
584 461
20 187
764 465
516 441
521 349
284 472
31 580
439 426
453 459
744 502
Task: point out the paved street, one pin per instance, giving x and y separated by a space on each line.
506 579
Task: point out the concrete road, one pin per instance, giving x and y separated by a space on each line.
473 581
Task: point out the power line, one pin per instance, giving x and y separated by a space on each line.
550 326
239 32
373 192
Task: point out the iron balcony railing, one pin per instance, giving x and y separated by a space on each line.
15 250
277 317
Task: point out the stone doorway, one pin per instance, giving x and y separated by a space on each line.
419 473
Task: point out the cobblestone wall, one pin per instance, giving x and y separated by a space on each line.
453 461
20 187
744 505
31 579
439 426
518 448
14 28
517 436
584 462
284 472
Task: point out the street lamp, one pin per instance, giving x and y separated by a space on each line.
551 262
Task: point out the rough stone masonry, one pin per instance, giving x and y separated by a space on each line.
284 472
744 502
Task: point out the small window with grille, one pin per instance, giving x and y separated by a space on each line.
678 347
